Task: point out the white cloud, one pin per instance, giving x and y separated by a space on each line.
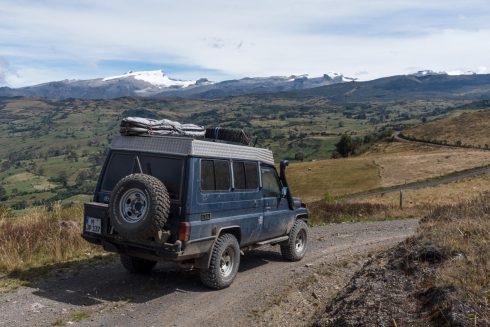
248 38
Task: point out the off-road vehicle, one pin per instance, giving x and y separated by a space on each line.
192 201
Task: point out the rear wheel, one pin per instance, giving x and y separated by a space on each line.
225 260
294 248
137 265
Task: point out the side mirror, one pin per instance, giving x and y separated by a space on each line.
284 192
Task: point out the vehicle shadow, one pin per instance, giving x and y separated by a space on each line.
92 283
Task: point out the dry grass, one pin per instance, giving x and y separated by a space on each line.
42 237
470 128
313 180
387 164
430 197
324 212
401 163
461 233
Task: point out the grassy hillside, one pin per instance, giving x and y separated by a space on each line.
52 150
467 128
386 164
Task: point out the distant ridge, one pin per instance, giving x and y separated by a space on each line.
157 84
336 87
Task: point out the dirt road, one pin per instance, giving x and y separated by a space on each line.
106 295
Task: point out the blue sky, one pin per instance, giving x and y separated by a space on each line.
48 40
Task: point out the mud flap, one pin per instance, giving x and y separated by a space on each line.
203 261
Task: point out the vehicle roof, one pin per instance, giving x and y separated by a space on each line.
187 146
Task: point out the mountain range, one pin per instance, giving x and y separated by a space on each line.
158 84
425 84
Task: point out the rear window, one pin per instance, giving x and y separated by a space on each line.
168 170
215 175
120 165
245 175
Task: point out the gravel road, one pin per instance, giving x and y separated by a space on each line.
104 294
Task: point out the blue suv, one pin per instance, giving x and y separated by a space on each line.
194 202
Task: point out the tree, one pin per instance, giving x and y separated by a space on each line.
3 192
63 178
344 147
299 156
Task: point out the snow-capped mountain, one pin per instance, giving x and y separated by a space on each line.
461 72
457 72
155 77
157 84
428 72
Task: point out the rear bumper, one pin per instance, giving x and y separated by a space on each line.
178 251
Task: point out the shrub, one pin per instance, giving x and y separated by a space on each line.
332 211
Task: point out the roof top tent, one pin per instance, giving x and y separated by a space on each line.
188 146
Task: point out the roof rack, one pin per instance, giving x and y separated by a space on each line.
190 146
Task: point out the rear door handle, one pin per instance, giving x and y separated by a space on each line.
268 208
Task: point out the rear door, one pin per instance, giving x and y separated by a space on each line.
276 210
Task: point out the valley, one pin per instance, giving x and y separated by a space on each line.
52 150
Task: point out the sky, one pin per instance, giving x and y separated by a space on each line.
47 40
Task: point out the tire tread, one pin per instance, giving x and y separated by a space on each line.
160 204
210 277
288 248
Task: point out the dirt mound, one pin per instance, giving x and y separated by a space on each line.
396 288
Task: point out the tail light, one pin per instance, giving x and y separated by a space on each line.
184 231
303 205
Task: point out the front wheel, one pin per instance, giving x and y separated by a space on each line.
294 248
224 263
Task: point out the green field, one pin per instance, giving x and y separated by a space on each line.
52 150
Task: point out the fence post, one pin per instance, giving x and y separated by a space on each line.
401 199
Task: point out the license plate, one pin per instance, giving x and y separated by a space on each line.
93 225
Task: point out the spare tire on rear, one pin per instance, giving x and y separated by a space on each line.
139 206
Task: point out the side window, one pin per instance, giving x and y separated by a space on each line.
270 183
215 175
239 175
207 175
251 175
222 175
245 175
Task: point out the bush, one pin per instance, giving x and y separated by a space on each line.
345 146
332 211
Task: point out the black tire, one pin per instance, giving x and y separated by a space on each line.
220 275
130 196
229 134
294 248
137 265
